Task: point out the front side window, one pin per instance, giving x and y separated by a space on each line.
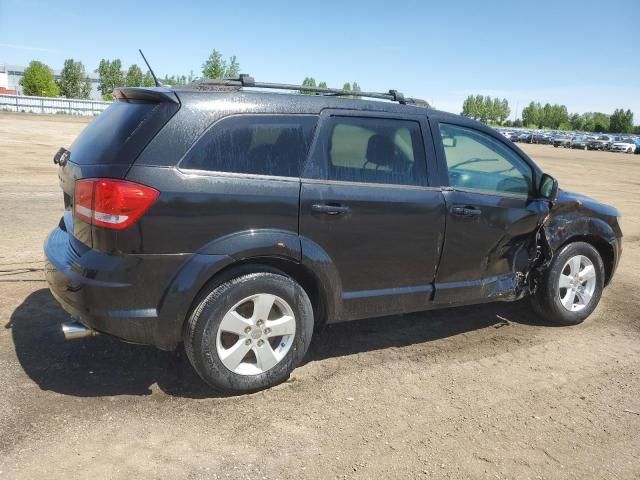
374 150
257 144
477 161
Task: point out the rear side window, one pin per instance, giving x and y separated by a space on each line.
374 150
256 144
112 131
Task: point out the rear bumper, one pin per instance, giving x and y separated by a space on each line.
133 297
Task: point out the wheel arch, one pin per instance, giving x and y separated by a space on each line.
569 228
602 246
275 264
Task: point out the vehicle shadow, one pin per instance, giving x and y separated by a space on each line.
105 366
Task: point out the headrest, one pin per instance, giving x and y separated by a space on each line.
380 150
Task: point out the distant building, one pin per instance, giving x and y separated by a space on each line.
10 76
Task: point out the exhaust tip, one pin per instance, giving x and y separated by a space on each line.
75 330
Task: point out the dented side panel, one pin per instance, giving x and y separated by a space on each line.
489 256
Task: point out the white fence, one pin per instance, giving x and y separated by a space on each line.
71 106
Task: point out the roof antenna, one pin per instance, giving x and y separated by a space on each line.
155 79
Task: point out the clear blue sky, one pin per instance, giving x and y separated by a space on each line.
581 53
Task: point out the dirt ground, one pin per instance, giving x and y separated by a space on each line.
479 392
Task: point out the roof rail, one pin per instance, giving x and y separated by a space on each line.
245 80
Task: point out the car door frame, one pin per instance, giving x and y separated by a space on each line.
319 260
488 288
443 169
432 164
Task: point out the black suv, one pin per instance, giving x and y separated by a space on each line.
238 221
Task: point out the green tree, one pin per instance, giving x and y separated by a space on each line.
496 111
478 105
621 121
468 107
322 84
601 122
356 88
346 86
505 111
576 122
74 82
588 123
38 80
546 116
560 116
134 77
233 69
111 77
308 82
147 80
214 66
531 114
169 80
486 114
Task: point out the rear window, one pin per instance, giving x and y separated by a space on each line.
255 144
105 137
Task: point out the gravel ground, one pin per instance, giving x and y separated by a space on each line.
477 392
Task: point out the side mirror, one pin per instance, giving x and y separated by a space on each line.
449 142
548 187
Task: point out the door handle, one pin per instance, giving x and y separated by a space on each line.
466 211
329 209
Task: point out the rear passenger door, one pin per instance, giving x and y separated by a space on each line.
367 204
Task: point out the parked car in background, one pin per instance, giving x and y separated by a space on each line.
579 141
627 145
562 141
534 137
602 142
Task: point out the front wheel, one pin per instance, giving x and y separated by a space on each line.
571 288
250 332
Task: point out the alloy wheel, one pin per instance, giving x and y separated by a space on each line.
256 334
577 283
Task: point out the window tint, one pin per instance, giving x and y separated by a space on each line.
478 161
374 150
259 144
102 140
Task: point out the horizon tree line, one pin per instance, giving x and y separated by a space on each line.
547 116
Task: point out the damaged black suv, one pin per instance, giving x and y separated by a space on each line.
238 220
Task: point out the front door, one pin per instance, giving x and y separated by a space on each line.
492 216
366 202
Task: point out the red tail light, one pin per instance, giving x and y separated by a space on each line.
114 204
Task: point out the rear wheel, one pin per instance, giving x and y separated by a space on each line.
250 332
572 286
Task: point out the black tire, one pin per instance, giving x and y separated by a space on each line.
546 300
202 326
